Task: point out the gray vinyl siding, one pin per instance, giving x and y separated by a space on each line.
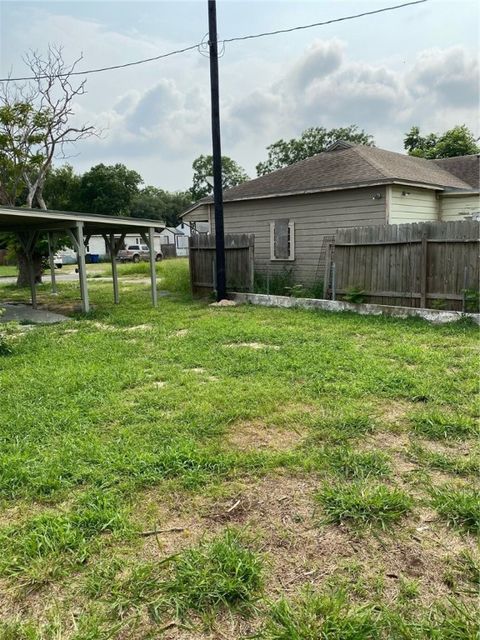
420 205
316 216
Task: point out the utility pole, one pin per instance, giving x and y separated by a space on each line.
216 152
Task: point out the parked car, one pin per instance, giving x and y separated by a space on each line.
57 261
137 252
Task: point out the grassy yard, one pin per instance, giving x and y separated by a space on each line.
197 472
8 271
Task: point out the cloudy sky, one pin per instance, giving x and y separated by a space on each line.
416 65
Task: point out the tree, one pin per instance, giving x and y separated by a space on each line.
20 134
158 204
458 141
37 124
35 127
232 174
283 153
61 189
108 189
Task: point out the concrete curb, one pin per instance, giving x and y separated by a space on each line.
430 315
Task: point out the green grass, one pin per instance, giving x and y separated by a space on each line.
363 503
8 271
40 548
466 465
459 507
321 617
222 573
123 420
352 464
333 616
443 426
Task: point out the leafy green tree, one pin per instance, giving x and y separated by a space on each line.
158 204
61 191
283 153
108 189
21 132
458 141
232 174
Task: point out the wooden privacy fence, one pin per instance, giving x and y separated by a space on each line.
239 257
168 250
427 264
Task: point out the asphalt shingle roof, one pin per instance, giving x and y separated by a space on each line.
467 168
358 164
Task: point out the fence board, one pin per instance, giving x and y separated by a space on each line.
239 262
418 264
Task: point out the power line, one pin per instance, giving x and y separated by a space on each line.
321 24
201 44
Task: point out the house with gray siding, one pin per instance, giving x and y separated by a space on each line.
294 212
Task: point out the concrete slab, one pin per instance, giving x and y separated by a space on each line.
435 316
24 313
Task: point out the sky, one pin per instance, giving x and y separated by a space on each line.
414 66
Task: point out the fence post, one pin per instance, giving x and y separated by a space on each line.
464 290
423 272
326 280
334 284
251 260
190 263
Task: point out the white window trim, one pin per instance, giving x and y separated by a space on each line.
291 257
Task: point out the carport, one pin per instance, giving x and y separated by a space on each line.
29 225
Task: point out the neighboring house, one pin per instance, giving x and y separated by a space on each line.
294 211
177 237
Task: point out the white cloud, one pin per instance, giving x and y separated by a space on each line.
156 117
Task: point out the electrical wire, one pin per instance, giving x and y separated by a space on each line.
201 45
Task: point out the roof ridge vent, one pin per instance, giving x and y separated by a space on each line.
339 145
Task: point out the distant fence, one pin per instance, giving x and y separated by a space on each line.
168 250
427 264
239 259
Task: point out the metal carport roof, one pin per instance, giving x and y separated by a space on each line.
30 224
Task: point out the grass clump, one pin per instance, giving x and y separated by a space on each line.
358 464
39 547
220 573
459 507
457 465
216 574
320 617
361 504
442 426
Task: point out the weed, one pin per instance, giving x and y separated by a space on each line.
360 504
355 294
459 507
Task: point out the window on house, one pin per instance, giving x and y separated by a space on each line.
282 239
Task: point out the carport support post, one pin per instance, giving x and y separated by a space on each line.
153 267
113 259
52 262
28 243
82 270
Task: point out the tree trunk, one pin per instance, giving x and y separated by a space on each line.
23 279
